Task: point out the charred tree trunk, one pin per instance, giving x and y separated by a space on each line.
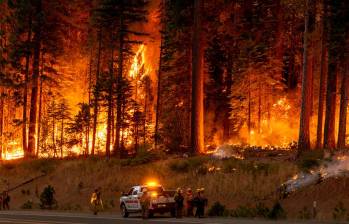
62 134
343 110
249 110
229 83
117 148
304 135
323 75
25 94
95 106
53 129
158 89
259 106
35 79
279 47
110 99
40 106
158 99
87 149
197 114
39 122
2 46
1 122
329 129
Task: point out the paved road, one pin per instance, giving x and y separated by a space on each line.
40 217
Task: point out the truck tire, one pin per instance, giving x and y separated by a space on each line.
124 211
173 213
151 215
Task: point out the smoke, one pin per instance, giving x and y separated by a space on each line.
227 151
338 166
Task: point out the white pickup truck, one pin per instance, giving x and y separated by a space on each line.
162 201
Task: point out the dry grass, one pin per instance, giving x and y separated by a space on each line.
235 183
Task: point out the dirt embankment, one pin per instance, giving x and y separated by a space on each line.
231 182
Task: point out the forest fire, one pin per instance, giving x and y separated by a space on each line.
12 151
88 92
139 68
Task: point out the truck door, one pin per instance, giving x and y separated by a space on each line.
129 200
136 199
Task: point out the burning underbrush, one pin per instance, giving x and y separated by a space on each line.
334 167
246 151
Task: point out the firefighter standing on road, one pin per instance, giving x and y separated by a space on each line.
96 201
189 202
145 203
6 200
200 203
179 199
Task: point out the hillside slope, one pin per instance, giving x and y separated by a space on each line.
231 182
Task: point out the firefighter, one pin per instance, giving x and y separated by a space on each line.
96 201
189 202
1 196
145 203
6 200
200 202
179 199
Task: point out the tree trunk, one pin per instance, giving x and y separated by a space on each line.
1 122
95 110
343 110
35 81
197 115
53 129
62 133
329 129
280 34
87 149
25 94
158 101
110 99
259 106
158 89
117 148
323 74
229 83
249 110
40 108
2 46
39 122
304 135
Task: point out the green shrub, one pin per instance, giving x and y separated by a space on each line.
142 157
261 210
27 205
304 213
277 212
339 212
179 166
244 212
9 165
310 159
202 170
185 165
80 186
47 198
217 209
42 165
